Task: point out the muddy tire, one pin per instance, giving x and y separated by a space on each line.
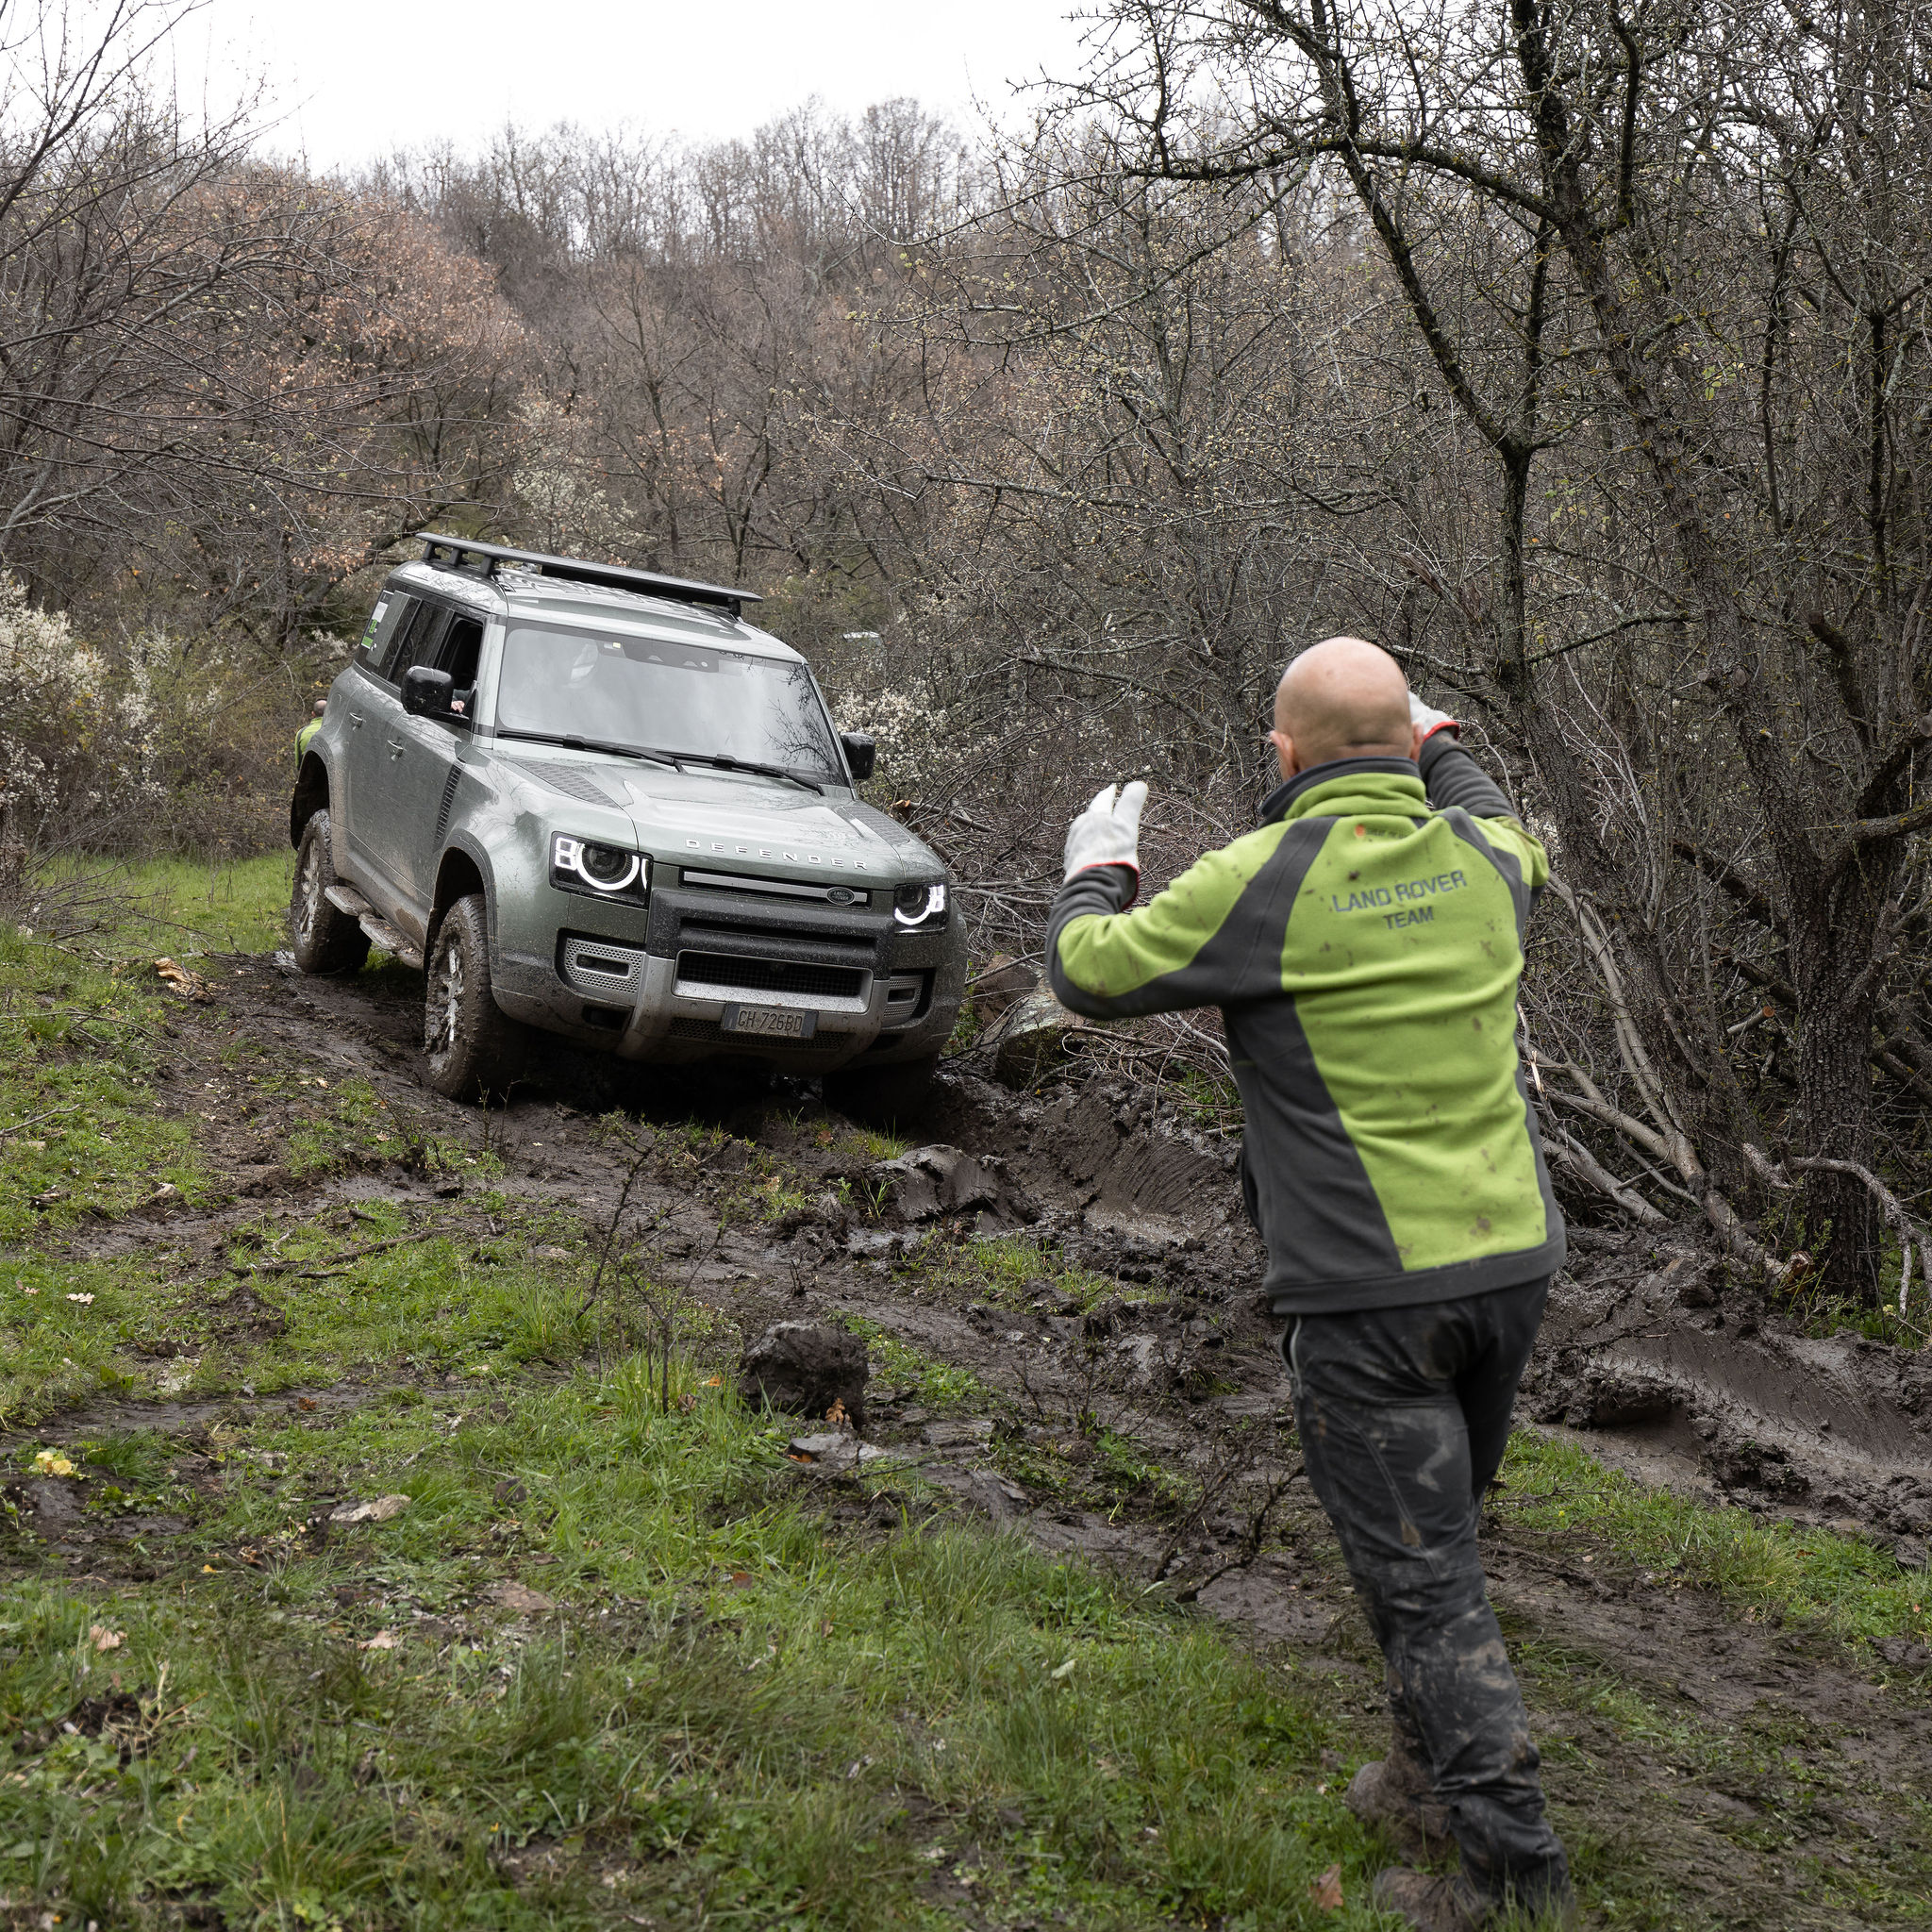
323 938
885 1096
473 1047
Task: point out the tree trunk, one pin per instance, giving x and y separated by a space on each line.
1835 938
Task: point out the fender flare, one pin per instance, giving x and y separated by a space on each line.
463 853
314 791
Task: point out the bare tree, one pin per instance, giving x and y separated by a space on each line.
1664 266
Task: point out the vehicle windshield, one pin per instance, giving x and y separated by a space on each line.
662 695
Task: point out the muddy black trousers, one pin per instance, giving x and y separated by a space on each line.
1403 1415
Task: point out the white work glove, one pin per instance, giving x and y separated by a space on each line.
1107 833
1431 722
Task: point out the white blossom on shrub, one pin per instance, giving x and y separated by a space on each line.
75 736
911 731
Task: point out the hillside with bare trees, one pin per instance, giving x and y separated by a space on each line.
488 1437
1580 360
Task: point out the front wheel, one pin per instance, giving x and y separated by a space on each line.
886 1097
470 1042
322 935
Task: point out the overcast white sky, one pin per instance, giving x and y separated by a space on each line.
355 78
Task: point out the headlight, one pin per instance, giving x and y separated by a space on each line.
917 905
579 865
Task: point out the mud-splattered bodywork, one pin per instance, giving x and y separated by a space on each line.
756 891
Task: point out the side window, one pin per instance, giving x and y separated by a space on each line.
416 640
391 608
463 647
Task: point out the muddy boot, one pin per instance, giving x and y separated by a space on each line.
1428 1902
1393 1793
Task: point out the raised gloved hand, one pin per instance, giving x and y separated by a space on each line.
1430 721
1107 833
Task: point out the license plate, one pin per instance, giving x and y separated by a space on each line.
772 1022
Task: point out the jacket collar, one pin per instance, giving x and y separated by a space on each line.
1367 785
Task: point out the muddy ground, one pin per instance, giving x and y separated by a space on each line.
1650 1359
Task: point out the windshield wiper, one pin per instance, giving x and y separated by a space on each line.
724 762
570 742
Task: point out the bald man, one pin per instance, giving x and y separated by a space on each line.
1364 945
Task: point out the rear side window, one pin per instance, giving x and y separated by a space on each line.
390 610
416 640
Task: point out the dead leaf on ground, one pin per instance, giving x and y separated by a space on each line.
383 1639
104 1639
381 1510
1327 1889
521 1597
191 986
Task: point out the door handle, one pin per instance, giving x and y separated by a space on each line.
395 746
356 721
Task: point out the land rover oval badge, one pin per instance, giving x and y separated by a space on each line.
841 895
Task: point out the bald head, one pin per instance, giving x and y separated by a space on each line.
1342 698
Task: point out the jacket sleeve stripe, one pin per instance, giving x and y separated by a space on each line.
1196 944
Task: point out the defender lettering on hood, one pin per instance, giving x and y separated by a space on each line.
784 857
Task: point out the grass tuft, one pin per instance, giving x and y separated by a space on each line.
1768 1570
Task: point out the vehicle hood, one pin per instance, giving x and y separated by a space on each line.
721 818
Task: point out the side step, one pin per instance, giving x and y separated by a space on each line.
381 933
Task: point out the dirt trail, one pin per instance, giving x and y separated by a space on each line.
1646 1356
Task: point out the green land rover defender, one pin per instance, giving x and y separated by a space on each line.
593 802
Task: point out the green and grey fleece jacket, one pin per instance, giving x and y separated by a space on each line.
1364 946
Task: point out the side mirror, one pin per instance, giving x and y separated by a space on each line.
861 754
425 692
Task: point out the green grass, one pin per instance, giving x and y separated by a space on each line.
83 1041
1767 1570
1011 1270
197 908
741 1715
943 1386
81 1047
451 1299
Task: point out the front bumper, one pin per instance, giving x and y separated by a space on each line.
660 983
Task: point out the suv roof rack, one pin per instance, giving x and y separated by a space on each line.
453 551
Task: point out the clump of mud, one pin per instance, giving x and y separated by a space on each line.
1109 1156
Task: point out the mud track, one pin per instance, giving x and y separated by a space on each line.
1648 1357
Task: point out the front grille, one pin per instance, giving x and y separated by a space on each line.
778 889
770 975
826 946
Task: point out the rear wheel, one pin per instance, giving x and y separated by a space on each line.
323 938
471 1045
887 1096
